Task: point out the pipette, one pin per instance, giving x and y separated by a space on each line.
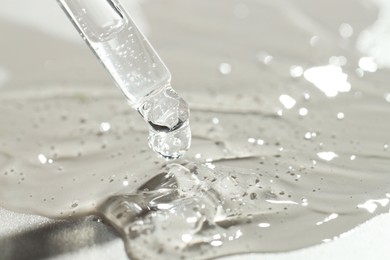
136 69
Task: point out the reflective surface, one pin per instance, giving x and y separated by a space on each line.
289 137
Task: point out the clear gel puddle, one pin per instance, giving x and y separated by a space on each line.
288 138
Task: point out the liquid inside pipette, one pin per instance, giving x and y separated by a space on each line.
137 70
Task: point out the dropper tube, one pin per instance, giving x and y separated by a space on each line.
121 47
136 69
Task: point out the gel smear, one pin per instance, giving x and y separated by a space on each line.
289 138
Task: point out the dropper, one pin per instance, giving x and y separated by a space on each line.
136 69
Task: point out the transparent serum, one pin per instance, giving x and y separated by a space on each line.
137 70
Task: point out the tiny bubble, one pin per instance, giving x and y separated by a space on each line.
296 71
345 30
340 116
264 58
314 40
225 68
253 196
